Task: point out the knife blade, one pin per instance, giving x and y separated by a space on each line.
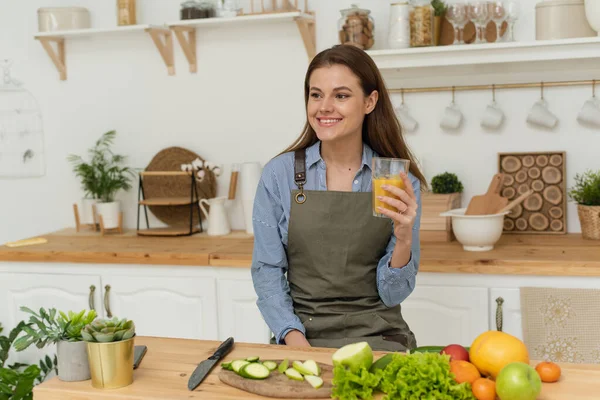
207 365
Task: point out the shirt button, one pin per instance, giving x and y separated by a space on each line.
356 182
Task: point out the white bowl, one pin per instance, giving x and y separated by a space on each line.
476 232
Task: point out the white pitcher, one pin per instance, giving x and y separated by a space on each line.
218 224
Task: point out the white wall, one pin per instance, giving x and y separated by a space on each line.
244 104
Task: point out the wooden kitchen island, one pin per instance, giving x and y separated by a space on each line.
166 368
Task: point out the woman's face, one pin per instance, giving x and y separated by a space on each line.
336 103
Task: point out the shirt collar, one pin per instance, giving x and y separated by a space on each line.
313 155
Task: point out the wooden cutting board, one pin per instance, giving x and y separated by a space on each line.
280 386
491 202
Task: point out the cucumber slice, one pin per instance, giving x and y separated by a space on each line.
283 366
312 366
226 365
298 366
314 381
272 365
254 371
237 364
252 359
293 374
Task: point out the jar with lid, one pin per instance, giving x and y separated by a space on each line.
195 9
421 23
356 27
399 30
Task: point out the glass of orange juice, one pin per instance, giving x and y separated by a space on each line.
386 171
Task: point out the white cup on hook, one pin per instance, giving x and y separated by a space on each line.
493 115
590 112
452 117
540 114
406 120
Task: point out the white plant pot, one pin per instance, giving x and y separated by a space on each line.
592 13
87 210
110 214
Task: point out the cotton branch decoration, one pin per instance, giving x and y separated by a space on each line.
200 167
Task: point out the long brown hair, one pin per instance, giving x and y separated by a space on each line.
381 129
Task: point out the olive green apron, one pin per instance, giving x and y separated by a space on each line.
334 246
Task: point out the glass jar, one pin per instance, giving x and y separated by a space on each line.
189 9
421 23
356 27
399 33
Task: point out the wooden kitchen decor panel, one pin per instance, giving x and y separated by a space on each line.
544 211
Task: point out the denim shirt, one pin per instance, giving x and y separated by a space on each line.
271 215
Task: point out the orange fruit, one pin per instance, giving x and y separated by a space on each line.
484 389
548 371
464 371
492 350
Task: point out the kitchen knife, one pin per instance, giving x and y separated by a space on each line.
205 366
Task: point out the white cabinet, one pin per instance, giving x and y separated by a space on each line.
440 315
239 315
181 307
61 291
511 310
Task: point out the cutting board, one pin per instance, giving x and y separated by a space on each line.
280 386
491 202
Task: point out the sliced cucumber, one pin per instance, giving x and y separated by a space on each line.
254 370
283 366
252 359
272 365
314 381
293 374
312 366
226 365
237 364
298 366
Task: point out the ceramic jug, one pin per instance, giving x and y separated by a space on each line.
218 224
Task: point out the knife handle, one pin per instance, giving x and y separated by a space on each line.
223 349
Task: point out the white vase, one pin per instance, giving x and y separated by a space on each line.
110 214
87 210
592 13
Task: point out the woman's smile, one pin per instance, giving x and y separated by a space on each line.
327 122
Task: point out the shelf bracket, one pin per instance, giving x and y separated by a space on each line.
165 48
188 45
307 31
57 56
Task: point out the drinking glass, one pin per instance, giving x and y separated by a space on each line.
456 13
512 14
478 13
498 16
386 171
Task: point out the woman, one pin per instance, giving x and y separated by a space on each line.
347 271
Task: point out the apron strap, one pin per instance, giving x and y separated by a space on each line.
300 174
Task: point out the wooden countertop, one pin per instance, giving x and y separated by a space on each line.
551 255
165 370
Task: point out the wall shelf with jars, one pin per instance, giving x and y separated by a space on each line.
54 42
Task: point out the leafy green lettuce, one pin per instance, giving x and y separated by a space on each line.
420 376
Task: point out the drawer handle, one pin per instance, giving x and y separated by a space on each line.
107 301
91 299
499 301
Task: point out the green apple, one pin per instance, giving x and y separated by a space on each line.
354 356
314 381
298 366
312 366
518 381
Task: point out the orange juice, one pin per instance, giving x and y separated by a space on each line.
378 191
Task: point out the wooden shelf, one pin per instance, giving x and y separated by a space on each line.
167 201
172 231
437 65
185 31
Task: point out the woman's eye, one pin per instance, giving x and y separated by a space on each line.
315 95
342 96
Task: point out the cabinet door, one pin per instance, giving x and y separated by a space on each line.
239 315
63 292
440 315
182 307
511 310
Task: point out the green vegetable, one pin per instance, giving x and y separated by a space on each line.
381 363
227 366
353 385
283 366
427 349
272 365
254 370
238 364
253 358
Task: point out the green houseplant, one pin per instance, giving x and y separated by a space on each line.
102 177
586 193
50 326
110 344
446 194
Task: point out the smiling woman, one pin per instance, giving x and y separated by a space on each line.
347 271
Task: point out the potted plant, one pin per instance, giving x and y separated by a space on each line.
439 8
103 177
586 193
445 195
110 344
50 326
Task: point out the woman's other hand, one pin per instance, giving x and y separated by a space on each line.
295 338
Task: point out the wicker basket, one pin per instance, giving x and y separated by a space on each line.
589 217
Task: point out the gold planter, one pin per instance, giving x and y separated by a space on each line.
111 364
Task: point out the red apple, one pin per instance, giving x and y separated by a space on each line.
456 352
